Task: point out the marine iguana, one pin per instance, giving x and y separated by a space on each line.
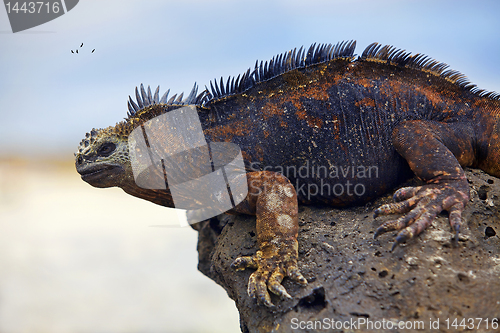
324 126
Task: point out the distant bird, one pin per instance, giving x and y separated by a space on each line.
81 45
72 51
76 51
93 50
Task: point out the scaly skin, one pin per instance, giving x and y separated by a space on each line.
311 123
273 200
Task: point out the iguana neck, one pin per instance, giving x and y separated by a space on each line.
159 197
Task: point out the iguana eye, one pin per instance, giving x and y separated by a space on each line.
106 149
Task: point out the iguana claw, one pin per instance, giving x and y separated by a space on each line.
272 265
421 204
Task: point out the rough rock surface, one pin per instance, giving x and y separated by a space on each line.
354 277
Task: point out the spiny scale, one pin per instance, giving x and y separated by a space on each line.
398 57
278 65
145 99
300 58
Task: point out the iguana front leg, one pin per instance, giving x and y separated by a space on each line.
272 198
435 152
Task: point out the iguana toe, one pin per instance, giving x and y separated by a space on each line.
295 275
241 263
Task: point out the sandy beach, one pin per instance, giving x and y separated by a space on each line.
75 258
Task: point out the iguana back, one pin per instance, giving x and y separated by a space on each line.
328 126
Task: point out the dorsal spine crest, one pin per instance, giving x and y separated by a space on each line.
390 55
296 59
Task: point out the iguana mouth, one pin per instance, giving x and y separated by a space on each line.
95 172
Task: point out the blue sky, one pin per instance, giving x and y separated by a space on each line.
50 97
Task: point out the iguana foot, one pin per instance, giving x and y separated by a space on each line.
273 262
421 204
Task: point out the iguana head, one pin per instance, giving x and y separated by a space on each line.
102 158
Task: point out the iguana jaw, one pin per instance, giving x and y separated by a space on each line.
101 175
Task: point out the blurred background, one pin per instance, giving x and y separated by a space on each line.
78 259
